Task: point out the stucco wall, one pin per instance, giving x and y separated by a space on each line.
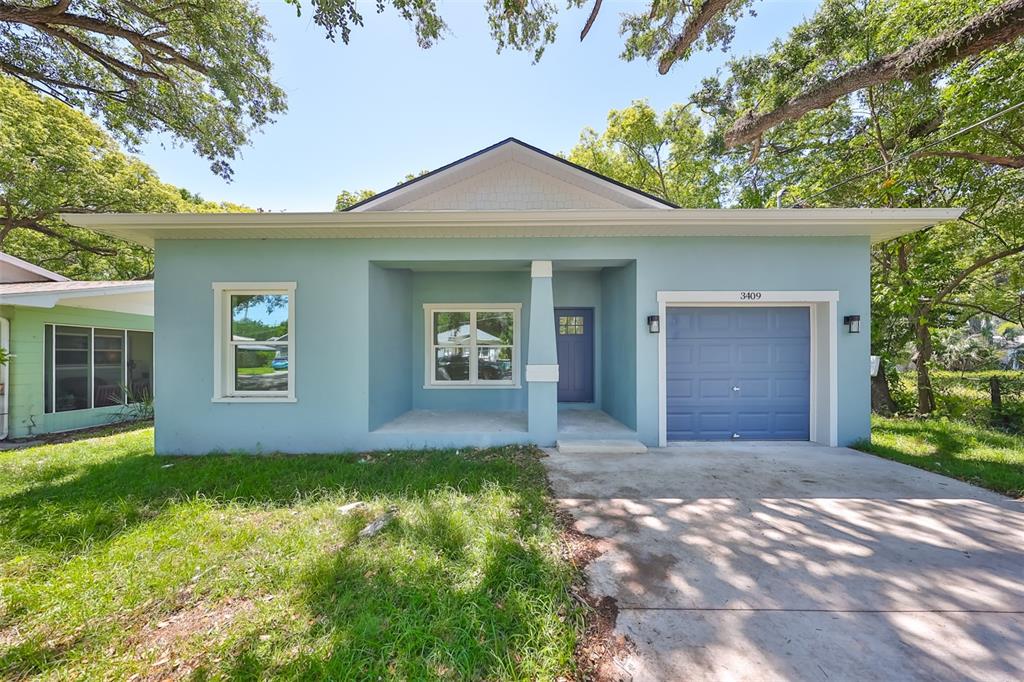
390 344
333 310
26 378
619 297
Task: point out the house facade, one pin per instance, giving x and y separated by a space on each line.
510 297
79 351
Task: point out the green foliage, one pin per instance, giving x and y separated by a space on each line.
115 562
971 453
347 198
198 70
54 159
965 396
5 356
667 155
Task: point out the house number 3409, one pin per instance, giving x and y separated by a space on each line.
750 295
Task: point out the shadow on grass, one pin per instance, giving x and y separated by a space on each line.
445 607
67 506
414 619
955 451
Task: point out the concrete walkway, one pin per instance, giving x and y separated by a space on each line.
798 562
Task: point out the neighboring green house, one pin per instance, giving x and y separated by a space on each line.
74 348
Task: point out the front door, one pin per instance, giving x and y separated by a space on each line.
574 330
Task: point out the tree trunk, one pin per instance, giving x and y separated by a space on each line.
925 394
999 418
881 395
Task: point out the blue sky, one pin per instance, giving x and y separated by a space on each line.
365 114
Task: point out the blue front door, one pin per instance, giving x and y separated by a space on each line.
574 330
738 373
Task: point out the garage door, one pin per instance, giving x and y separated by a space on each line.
738 373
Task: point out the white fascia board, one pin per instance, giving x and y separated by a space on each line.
32 268
49 299
878 224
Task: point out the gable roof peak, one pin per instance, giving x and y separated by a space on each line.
542 181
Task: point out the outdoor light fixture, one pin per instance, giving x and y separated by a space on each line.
653 324
852 323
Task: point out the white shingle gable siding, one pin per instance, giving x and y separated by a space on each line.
510 186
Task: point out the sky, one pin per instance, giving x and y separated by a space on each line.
363 115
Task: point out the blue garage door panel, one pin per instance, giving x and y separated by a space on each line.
738 373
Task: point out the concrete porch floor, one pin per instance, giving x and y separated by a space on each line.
437 421
594 423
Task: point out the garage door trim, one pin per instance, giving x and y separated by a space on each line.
762 298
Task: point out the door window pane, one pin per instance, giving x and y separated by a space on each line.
494 363
451 328
451 364
261 367
71 371
570 325
140 366
260 317
108 367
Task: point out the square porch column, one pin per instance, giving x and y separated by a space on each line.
542 358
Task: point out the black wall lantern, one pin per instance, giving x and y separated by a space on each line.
653 324
852 323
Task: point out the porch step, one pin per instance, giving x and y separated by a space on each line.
601 447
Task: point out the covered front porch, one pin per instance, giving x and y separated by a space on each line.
490 352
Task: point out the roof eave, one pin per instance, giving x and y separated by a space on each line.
879 224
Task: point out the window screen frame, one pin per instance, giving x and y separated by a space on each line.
50 379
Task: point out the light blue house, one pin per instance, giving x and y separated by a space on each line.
510 297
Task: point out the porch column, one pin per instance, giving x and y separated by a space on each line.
542 357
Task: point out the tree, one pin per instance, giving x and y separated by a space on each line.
197 69
347 198
874 148
54 159
668 155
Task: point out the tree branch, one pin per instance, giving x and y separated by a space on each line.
964 274
991 29
590 20
39 18
692 29
996 160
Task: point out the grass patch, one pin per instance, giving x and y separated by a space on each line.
115 562
985 457
965 396
254 370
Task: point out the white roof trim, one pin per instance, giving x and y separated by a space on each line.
879 224
30 267
54 297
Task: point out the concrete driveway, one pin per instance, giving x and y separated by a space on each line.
763 562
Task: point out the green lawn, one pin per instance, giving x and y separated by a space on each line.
976 454
115 562
255 370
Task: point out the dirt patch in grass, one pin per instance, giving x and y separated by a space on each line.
600 647
163 639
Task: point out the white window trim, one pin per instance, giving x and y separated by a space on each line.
50 329
810 299
429 382
223 391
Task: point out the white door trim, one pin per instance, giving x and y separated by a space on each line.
756 298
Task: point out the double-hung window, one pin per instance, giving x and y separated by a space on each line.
472 345
254 341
